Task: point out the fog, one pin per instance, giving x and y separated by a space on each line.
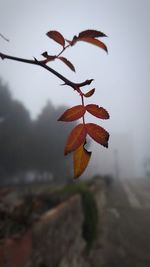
121 78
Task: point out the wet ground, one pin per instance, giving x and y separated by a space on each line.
128 224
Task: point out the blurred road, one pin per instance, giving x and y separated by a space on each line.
128 220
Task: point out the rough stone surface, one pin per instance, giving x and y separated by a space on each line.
57 237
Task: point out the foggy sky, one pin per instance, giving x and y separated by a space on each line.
121 78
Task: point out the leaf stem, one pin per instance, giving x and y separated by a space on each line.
82 99
64 48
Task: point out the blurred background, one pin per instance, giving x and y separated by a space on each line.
31 99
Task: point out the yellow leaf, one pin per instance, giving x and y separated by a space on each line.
81 159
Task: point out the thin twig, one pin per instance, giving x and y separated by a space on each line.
1 35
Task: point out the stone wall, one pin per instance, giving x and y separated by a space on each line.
57 237
56 240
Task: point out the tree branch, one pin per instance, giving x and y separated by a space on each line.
41 63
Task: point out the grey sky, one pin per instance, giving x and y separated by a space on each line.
121 78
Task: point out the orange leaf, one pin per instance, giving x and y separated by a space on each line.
97 111
99 134
57 37
90 93
73 113
92 33
92 41
67 62
81 159
76 138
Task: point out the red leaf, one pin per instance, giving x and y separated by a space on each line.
99 134
81 159
94 42
90 93
76 138
92 33
67 62
73 113
57 37
97 111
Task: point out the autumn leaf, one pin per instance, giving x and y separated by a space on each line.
94 42
91 33
67 62
73 113
81 159
76 138
90 93
99 134
97 111
89 36
57 37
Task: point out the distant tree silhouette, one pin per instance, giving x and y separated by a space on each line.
27 145
14 132
49 135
